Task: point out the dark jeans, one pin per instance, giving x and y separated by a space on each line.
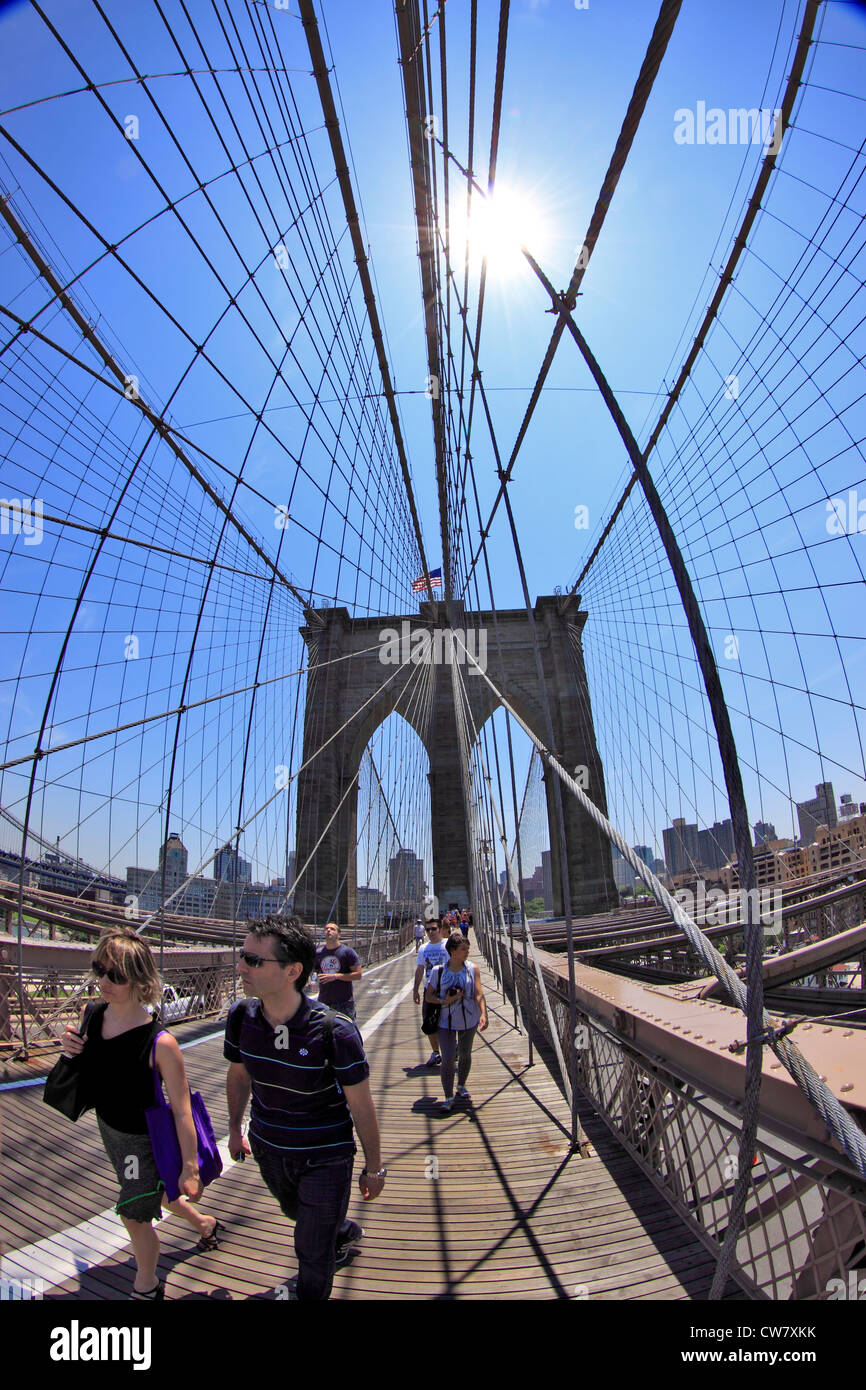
314 1193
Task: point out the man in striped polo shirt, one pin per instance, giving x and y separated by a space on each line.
308 1076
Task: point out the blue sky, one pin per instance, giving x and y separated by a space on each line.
569 76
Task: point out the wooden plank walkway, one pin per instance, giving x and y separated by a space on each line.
484 1203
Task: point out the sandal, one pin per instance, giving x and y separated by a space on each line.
153 1295
212 1241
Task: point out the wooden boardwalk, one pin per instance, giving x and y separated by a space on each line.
484 1203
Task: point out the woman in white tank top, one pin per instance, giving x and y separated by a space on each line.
457 987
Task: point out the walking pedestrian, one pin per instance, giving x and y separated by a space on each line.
305 1068
431 954
457 987
117 1076
418 933
338 967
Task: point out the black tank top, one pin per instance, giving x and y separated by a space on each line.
119 1076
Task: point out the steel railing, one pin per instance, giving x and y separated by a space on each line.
804 1233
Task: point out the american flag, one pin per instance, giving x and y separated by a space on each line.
420 584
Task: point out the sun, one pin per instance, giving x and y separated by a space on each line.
497 228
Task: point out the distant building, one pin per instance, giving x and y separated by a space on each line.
645 853
371 906
848 807
821 810
716 844
691 853
227 898
146 885
623 874
682 848
228 866
764 831
533 887
174 857
143 884
406 880
194 898
837 847
777 862
259 900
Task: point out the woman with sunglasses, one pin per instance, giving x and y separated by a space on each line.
117 1072
457 987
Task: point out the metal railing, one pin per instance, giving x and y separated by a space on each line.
805 1224
51 999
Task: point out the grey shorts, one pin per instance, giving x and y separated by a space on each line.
141 1188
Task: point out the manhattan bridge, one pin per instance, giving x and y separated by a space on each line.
292 621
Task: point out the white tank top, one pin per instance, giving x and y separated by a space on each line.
466 1013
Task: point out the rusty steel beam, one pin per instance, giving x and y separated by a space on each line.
694 1036
70 955
622 937
793 965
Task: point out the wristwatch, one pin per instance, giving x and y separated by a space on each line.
382 1173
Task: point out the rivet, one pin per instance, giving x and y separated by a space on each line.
698 1037
849 1086
849 1033
711 1042
775 1066
827 1030
822 1078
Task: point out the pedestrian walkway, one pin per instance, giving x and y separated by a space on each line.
487 1202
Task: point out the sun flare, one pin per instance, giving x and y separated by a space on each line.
497 228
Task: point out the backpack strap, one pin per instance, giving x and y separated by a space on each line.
330 1020
233 1030
328 1033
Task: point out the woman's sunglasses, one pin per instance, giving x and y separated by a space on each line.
114 975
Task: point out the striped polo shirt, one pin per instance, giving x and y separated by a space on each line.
298 1107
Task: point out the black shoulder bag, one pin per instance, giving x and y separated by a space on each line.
431 1013
65 1088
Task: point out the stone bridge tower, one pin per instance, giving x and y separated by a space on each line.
346 704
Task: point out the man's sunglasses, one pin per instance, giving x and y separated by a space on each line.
254 961
431 928
114 975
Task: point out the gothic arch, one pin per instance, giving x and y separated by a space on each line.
345 706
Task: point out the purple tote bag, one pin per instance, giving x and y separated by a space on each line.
164 1140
